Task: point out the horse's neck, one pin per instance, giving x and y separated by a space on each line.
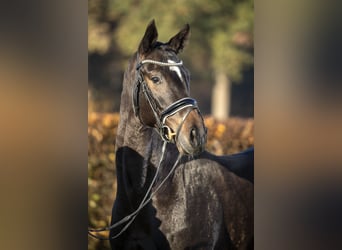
138 147
131 133
134 161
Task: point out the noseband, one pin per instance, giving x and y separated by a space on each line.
164 131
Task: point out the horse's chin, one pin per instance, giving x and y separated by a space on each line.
187 149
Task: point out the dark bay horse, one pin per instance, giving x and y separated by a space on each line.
198 200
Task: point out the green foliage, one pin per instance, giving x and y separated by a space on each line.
234 42
222 30
98 38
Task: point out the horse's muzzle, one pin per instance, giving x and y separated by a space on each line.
192 135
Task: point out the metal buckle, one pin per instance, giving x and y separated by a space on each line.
167 134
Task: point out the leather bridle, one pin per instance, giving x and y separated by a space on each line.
164 130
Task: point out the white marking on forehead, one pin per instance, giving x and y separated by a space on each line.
175 68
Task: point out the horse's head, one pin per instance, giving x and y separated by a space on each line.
161 92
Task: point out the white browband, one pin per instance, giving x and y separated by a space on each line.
159 63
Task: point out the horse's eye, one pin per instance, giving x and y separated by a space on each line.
155 79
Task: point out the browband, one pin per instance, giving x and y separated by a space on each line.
158 63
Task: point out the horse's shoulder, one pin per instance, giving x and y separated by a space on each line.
208 172
204 172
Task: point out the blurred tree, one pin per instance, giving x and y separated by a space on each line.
221 36
232 45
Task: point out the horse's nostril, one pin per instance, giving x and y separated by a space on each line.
194 137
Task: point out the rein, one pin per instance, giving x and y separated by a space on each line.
130 218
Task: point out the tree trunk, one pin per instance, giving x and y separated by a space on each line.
220 100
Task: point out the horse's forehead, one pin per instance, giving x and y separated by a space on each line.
162 54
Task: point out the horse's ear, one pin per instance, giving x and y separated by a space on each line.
179 41
149 39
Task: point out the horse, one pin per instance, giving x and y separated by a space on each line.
171 193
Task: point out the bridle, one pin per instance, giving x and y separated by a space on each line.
163 130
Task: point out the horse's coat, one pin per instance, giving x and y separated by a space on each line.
207 203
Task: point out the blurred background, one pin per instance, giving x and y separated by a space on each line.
219 56
44 146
